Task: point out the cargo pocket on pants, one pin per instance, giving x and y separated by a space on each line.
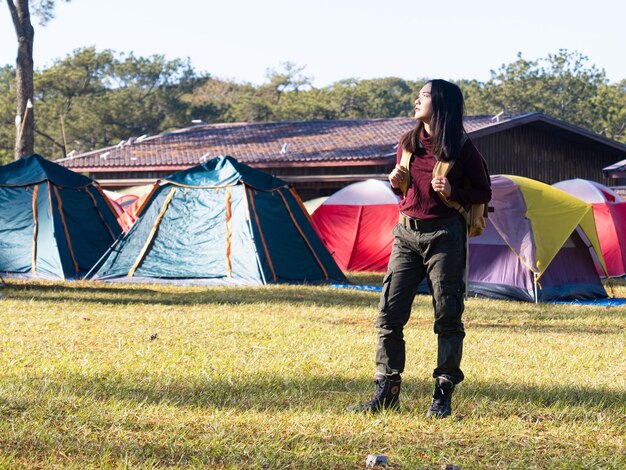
448 308
383 304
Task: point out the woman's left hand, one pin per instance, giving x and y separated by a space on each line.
441 185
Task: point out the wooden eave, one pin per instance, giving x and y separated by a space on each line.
349 178
293 164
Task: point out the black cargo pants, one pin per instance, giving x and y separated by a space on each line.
434 249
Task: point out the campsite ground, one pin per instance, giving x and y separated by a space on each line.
143 376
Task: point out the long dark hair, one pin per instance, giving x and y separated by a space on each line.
446 124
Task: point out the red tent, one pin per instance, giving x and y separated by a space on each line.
127 203
114 201
609 211
355 224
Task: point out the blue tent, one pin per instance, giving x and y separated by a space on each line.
54 223
221 222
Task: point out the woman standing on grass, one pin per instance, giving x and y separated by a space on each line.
430 241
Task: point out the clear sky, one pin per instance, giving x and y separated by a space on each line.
335 39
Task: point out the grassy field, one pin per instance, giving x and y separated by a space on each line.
145 376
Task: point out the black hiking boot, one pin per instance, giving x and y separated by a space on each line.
386 396
441 407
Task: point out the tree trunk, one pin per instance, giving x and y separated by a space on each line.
25 116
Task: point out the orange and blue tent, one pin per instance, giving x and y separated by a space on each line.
220 223
54 223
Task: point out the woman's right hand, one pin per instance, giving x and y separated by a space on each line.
397 175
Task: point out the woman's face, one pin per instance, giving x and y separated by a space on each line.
423 105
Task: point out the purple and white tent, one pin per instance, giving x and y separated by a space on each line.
540 244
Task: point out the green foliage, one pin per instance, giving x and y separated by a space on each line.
365 99
609 107
44 10
290 97
474 95
288 79
104 97
563 86
7 114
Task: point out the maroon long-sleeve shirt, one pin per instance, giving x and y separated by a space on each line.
422 202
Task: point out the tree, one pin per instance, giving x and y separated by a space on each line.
473 93
63 94
7 114
213 99
93 99
25 116
289 79
562 86
610 111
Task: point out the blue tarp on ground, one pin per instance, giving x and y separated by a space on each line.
357 287
608 302
615 302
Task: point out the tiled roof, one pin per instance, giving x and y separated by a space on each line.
269 143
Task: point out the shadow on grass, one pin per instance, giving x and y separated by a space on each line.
275 393
188 295
546 326
142 294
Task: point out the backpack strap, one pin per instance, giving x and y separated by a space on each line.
405 162
442 169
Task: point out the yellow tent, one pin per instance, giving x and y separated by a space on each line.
554 215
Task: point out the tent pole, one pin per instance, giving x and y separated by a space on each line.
106 253
536 293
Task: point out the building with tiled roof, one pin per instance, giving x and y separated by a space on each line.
319 157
